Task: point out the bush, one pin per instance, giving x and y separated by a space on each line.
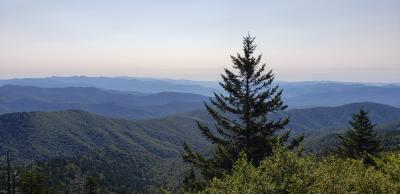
287 172
334 175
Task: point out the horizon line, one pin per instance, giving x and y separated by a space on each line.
193 80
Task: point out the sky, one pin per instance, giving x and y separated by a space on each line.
301 40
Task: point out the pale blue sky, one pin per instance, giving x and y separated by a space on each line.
342 40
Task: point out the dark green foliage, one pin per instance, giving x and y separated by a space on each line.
136 155
104 171
190 183
41 135
115 170
360 140
91 184
42 178
242 116
8 173
323 145
390 139
32 181
133 154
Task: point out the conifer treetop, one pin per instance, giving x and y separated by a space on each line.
241 115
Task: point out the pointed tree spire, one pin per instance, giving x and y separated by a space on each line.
360 140
242 115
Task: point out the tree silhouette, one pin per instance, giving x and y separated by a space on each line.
360 141
242 116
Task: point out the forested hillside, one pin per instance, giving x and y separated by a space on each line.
326 119
324 142
40 135
123 155
148 151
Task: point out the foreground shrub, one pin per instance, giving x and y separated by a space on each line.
389 164
286 172
334 175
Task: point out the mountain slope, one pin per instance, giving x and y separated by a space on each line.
323 143
121 153
326 118
310 120
133 154
40 135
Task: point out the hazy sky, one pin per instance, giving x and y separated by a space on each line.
343 40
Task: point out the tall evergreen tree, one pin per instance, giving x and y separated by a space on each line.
190 184
242 115
360 141
32 181
91 184
8 173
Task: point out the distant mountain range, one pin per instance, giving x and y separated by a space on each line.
296 94
141 85
130 106
312 94
108 103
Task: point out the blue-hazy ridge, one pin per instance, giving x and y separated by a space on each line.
296 94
